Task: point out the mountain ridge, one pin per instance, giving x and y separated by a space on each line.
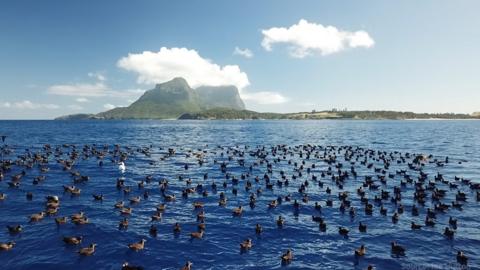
167 100
171 99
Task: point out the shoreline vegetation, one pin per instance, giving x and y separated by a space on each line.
232 114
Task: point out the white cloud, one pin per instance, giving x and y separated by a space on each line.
97 89
82 100
161 66
305 38
264 98
109 106
28 105
168 63
243 52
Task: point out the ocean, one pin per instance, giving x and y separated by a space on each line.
40 245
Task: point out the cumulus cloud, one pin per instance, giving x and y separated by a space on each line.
28 105
168 63
243 52
305 38
264 98
161 66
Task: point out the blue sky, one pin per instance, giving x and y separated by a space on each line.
59 57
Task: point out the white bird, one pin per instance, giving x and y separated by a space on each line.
122 167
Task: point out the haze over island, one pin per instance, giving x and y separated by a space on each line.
405 56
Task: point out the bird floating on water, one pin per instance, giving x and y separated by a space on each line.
121 167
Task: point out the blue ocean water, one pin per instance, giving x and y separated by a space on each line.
40 244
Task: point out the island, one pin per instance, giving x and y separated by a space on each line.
175 99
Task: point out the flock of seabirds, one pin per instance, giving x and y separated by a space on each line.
340 163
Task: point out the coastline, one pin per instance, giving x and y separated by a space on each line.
258 119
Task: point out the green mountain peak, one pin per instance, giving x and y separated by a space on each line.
173 98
